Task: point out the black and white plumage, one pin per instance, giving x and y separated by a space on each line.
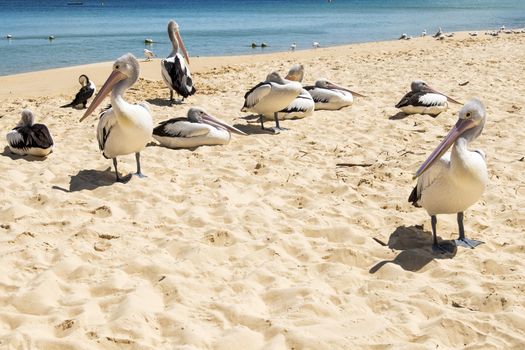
330 96
82 97
422 99
303 105
270 97
149 54
175 70
30 138
199 128
449 183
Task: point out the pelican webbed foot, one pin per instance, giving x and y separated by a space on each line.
463 241
139 175
277 129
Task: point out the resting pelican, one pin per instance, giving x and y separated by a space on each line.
124 128
198 129
452 183
175 71
271 96
84 94
149 54
30 138
330 96
303 105
422 99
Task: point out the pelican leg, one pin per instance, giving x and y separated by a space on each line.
436 247
462 240
118 179
138 173
277 127
261 119
171 98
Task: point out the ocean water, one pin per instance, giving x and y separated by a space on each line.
103 30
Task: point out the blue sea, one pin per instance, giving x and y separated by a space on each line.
103 30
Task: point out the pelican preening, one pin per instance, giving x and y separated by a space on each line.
198 129
84 94
270 97
124 128
149 54
30 138
330 96
438 33
451 183
423 99
174 69
303 105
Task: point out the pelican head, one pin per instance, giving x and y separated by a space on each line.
83 80
469 126
296 73
27 119
176 40
125 73
275 77
326 84
199 115
420 85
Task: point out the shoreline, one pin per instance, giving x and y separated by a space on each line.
36 83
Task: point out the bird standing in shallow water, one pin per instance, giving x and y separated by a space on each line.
451 183
124 128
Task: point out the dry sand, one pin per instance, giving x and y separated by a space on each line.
266 243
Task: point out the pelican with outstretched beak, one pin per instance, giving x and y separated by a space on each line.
330 96
450 183
423 99
174 69
124 128
198 129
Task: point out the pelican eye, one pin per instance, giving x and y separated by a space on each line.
117 66
468 115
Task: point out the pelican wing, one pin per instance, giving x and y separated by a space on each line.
34 136
410 99
256 94
107 121
302 103
427 179
177 74
180 127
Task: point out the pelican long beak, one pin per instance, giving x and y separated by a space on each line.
216 122
182 47
338 87
450 99
461 126
114 78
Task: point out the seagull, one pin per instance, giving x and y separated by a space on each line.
403 36
175 71
82 97
124 128
330 96
422 99
424 33
451 183
293 46
198 129
316 45
271 96
148 54
30 138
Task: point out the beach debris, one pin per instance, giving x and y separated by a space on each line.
148 41
351 165
438 33
263 44
293 46
316 45
464 83
380 242
149 54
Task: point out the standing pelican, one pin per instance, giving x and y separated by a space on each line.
452 183
30 138
422 99
84 94
303 105
271 96
124 128
198 129
174 69
330 96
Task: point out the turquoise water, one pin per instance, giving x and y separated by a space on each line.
102 31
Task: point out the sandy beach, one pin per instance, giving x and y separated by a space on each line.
301 240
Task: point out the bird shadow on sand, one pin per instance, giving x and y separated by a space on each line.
398 116
27 158
92 179
161 102
416 249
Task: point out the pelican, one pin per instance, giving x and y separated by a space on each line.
438 33
403 36
422 99
303 105
293 46
30 138
424 33
330 96
8 36
148 54
450 184
198 129
124 128
174 69
84 94
316 45
271 96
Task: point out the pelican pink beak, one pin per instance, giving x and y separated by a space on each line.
450 99
113 79
461 126
331 85
182 47
216 122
